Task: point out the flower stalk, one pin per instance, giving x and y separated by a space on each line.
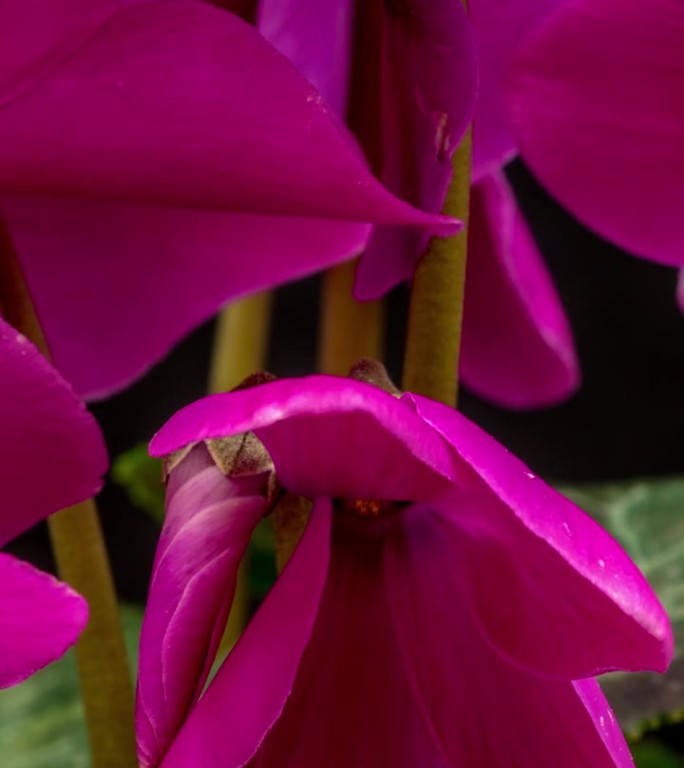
349 330
80 552
436 309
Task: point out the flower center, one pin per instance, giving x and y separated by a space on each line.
370 508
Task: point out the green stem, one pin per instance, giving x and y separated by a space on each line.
436 311
81 556
349 330
240 349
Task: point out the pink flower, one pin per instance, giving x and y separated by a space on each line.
420 71
595 98
444 607
158 158
51 456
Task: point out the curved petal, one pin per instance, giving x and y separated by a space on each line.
117 284
484 711
51 453
250 689
316 36
604 130
552 591
517 344
40 618
221 121
210 518
499 28
327 436
351 704
428 84
35 35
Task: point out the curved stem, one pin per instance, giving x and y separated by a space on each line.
78 544
436 311
240 349
349 330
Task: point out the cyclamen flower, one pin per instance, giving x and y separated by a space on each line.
157 158
595 98
444 607
416 60
51 456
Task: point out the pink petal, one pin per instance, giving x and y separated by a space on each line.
326 436
352 704
118 284
35 35
594 102
249 691
40 618
499 28
51 453
213 118
484 711
551 590
316 36
517 344
210 518
428 88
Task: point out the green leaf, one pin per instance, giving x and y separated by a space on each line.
647 518
139 474
650 753
41 720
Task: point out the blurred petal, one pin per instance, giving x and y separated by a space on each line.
552 591
326 436
40 618
249 691
352 704
316 36
680 290
242 130
117 285
517 343
428 88
499 28
51 453
594 102
466 688
35 35
210 518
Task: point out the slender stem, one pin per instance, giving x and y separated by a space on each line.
436 311
241 341
349 329
240 349
103 671
81 556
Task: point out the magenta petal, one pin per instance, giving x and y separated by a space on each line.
517 344
316 36
143 276
428 84
249 691
40 618
51 453
210 519
466 688
550 588
352 705
35 35
603 129
213 118
327 436
499 28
